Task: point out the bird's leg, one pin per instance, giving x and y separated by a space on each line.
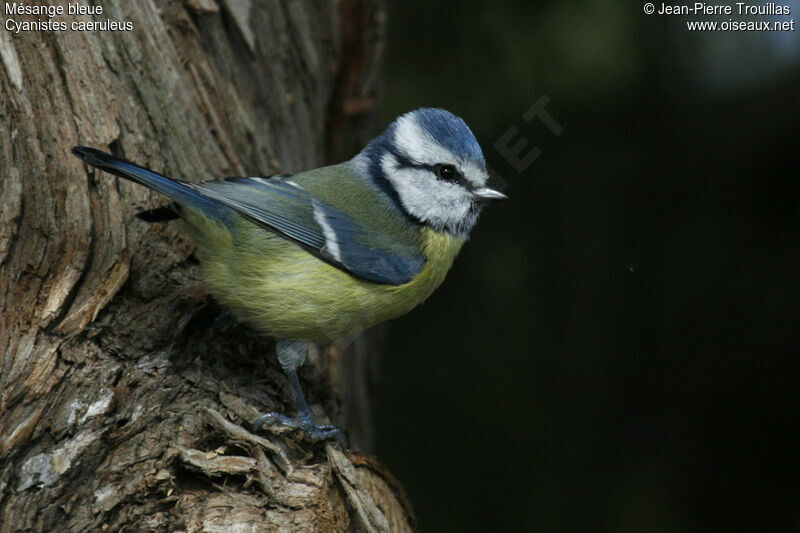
291 355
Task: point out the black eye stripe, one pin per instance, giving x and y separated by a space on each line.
458 178
443 172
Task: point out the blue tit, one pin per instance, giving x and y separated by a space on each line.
321 254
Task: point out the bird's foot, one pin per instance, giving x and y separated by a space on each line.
304 425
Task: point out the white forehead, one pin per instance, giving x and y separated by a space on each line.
421 147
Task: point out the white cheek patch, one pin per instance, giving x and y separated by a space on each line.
438 203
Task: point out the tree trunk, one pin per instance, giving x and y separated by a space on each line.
124 400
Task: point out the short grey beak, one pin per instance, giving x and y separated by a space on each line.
485 194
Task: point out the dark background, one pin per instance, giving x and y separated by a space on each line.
616 347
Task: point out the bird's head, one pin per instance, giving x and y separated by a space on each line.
431 165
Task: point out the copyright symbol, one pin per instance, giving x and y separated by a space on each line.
649 8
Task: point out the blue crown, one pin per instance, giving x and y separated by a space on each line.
451 132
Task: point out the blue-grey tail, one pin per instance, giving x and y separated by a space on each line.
177 191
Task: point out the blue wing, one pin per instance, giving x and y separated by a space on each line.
283 206
390 256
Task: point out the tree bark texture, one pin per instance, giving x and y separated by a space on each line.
124 399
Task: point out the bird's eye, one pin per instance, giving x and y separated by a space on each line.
446 172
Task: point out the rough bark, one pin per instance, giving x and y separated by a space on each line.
124 402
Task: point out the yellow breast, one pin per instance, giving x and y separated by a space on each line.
286 292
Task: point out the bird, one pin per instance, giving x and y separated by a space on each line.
318 255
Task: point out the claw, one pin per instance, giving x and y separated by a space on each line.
291 354
311 431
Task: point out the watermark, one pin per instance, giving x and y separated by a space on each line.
514 147
19 18
720 17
